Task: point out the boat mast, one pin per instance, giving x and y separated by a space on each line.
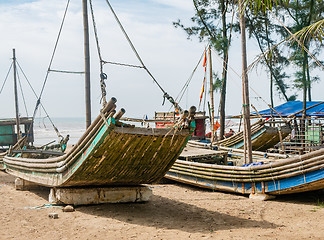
211 96
87 62
245 89
16 94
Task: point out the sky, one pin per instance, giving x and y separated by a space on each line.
31 27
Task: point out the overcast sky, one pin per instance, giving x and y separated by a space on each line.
31 27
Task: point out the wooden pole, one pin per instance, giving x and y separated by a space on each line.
211 96
245 88
87 63
16 94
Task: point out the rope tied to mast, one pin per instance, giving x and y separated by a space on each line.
103 77
165 94
49 69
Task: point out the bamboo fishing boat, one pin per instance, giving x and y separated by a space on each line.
263 137
21 142
110 152
285 176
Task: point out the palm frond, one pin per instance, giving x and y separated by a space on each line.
314 31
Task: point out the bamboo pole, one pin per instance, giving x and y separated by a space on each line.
16 94
211 97
87 63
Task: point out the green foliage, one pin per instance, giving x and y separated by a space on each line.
304 13
262 5
313 32
218 82
206 24
304 18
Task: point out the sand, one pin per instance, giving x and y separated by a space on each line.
176 211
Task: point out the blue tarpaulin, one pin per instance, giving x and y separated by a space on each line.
292 107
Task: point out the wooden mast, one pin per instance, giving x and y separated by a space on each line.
87 63
211 96
245 89
16 94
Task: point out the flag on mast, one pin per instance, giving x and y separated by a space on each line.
203 86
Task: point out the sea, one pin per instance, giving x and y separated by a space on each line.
44 131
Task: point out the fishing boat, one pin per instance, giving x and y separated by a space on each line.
276 177
263 136
110 152
255 176
15 132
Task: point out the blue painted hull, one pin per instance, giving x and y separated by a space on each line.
283 177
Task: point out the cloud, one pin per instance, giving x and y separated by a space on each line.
179 4
32 27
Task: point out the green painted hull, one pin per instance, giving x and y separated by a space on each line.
108 155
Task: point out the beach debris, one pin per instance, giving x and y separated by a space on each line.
43 206
53 215
68 208
261 196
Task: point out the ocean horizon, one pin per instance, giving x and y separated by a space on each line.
44 131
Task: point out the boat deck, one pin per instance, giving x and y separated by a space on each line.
203 155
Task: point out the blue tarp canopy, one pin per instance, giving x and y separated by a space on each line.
292 107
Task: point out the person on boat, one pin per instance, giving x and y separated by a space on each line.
230 133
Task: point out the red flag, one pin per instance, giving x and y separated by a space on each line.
216 126
205 60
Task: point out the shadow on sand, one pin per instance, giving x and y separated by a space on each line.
163 212
313 198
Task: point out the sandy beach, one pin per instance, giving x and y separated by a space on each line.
175 211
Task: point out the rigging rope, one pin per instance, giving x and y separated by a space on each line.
165 94
49 67
63 71
122 64
54 51
6 78
103 76
55 128
186 85
255 92
22 93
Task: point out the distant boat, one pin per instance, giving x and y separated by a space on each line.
15 132
110 152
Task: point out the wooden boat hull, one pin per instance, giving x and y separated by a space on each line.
292 175
262 137
114 156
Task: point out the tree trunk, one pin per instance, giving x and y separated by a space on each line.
245 88
281 88
224 74
308 78
270 60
